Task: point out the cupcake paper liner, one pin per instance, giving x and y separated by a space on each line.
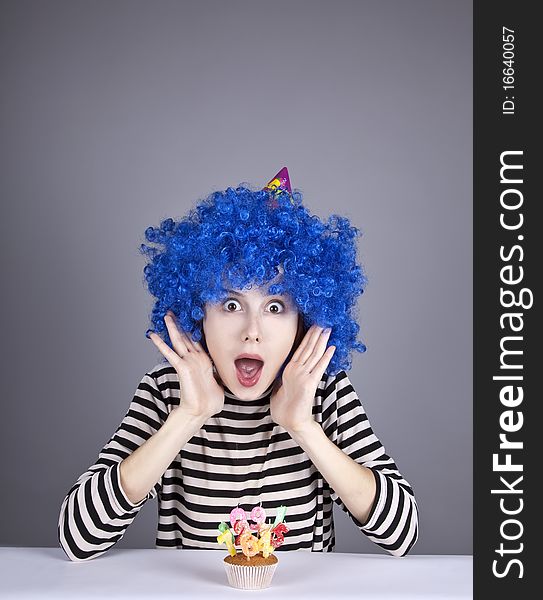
249 578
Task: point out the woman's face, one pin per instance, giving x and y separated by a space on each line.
250 323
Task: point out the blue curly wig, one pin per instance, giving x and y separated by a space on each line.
238 238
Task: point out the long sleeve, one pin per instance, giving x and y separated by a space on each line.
96 511
393 520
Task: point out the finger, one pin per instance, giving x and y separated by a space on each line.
177 336
190 344
309 351
187 340
194 346
321 366
165 350
302 344
306 345
318 350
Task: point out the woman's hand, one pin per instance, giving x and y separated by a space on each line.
201 395
291 403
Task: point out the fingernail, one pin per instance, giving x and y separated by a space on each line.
327 330
148 333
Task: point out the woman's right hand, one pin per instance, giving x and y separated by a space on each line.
201 395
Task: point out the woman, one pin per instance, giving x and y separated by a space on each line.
252 404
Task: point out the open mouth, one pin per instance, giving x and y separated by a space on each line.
248 370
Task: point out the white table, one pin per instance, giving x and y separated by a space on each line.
195 574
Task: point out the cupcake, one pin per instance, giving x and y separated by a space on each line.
254 566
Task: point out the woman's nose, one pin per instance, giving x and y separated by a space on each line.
252 331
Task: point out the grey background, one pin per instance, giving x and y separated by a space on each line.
116 114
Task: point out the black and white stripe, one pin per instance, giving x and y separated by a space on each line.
239 455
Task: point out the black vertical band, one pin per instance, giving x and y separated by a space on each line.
507 164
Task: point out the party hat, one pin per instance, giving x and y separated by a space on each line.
281 181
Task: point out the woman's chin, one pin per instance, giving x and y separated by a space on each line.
248 392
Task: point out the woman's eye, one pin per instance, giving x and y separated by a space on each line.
276 307
231 305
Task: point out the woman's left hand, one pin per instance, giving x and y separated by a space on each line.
291 402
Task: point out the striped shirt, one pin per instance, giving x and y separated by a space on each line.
239 456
